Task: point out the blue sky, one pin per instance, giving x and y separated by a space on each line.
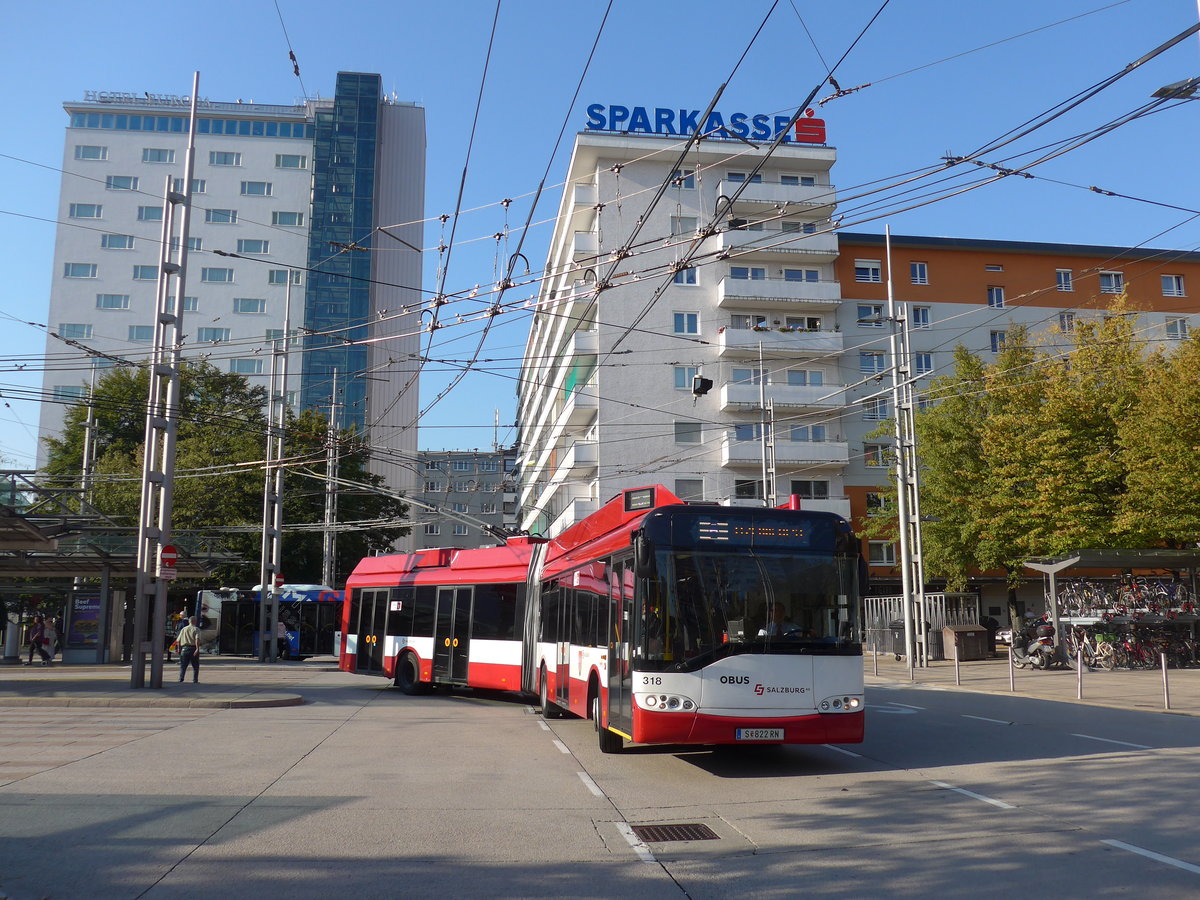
925 100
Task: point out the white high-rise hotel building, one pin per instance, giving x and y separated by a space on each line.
285 190
605 400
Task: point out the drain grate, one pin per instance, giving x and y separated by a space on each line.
657 834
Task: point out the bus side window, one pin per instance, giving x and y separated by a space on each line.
423 612
549 615
400 621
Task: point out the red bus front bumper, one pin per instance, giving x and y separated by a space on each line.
701 728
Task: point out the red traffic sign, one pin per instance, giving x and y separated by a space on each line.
166 562
278 581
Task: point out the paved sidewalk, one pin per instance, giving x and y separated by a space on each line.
1140 690
225 683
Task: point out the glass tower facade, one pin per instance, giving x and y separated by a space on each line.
338 299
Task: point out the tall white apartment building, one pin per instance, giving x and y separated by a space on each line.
605 399
280 194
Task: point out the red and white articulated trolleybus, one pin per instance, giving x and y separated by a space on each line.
663 622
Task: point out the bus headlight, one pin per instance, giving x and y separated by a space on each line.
665 702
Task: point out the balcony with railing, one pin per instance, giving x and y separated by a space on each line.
775 243
579 408
740 454
587 245
778 293
743 396
741 343
816 198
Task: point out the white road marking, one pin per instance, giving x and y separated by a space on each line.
543 725
591 785
843 750
635 842
973 795
896 712
561 746
986 719
1092 737
1158 857
905 705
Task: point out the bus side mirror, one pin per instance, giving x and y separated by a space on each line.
643 557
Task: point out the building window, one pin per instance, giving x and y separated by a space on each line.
747 376
1177 329
747 489
802 377
811 434
923 363
1112 282
876 409
688 432
806 275
280 276
686 323
79 270
462 465
997 339
1172 286
194 243
993 267
745 322
464 487
459 507
684 224
199 186
145 273
748 432
803 323
748 273
433 528
190 304
810 490
876 503
876 455
1066 322
212 335
918 272
90 151
157 155
273 334
224 158
684 376
249 306
870 315
141 334
487 509
685 276
870 362
69 393
868 270
460 530
995 296
86 211
290 161
112 301
739 177
433 487
254 246
256 189
216 276
881 553
1063 280
221 216
689 490
121 183
489 465
684 178
75 331
150 213
920 317
288 219
246 366
116 241
798 180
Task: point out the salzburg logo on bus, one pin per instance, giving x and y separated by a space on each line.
760 689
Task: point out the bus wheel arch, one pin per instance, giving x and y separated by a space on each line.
408 674
610 741
550 710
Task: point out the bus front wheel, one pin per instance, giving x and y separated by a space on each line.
549 710
609 741
408 675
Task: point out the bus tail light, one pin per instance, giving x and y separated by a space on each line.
841 704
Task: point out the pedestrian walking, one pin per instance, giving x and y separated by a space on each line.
282 640
51 640
189 649
37 641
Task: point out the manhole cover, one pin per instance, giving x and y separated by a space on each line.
657 834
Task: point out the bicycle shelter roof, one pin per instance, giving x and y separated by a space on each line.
1154 558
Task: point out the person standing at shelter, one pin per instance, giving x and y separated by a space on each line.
189 649
282 640
37 641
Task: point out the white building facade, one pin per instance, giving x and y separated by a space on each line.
273 186
605 399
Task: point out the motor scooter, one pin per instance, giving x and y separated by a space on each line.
1034 646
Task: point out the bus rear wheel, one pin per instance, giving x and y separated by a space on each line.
408 675
610 742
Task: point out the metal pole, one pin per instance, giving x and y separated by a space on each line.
767 491
1079 673
1012 676
328 543
957 673
1166 686
875 655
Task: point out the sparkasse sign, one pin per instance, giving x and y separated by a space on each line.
661 120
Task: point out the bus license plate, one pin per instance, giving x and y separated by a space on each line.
759 734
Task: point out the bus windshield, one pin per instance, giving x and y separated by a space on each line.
702 606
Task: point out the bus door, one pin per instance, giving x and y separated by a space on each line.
566 618
452 634
372 622
620 603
